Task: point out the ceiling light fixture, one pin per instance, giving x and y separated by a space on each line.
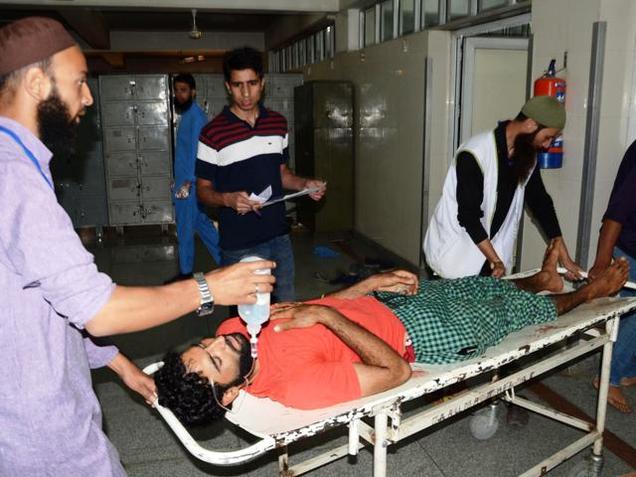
195 34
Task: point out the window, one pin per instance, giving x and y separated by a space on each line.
289 57
330 44
369 26
311 53
386 14
319 38
486 4
407 16
430 13
458 9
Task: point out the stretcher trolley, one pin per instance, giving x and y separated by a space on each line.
590 327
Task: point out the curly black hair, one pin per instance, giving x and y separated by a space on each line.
188 395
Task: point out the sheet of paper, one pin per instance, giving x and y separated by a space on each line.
263 197
292 196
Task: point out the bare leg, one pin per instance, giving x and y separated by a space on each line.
606 284
547 279
615 397
631 381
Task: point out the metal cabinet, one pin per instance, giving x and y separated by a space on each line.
79 177
324 149
137 148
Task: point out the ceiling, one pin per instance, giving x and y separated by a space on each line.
95 24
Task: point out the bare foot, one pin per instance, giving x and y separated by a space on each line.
615 397
610 281
548 279
631 381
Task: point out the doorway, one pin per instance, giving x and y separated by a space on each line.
493 82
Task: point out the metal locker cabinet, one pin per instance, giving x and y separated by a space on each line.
324 149
138 149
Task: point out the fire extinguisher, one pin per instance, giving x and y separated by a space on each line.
550 85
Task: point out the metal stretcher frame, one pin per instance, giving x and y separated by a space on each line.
593 325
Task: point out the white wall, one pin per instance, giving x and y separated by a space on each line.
389 100
561 25
441 111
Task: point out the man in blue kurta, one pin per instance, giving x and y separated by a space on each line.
191 217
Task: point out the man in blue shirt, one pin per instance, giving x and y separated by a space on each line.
191 217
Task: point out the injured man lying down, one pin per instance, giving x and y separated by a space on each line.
360 341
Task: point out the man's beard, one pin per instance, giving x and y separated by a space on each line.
245 356
181 108
57 129
524 156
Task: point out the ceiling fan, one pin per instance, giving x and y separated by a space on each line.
195 34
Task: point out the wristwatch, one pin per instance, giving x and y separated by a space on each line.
207 300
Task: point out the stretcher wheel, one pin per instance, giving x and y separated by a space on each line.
587 468
485 422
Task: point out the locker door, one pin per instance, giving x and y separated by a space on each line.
152 113
151 87
155 163
116 87
124 213
155 137
123 188
122 164
155 188
118 113
157 212
119 139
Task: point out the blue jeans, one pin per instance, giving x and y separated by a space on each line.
191 219
278 249
624 355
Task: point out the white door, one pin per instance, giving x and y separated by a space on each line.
494 76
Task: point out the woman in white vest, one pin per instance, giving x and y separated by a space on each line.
492 177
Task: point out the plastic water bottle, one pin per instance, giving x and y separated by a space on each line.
256 314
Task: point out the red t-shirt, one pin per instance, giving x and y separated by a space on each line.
311 368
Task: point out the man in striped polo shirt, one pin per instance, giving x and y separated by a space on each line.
241 151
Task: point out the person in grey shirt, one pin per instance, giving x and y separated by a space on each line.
53 296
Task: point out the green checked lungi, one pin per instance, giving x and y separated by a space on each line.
454 320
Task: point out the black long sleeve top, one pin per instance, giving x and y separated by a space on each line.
470 194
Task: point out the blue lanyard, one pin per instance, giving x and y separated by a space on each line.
26 150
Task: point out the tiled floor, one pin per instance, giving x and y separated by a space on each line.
148 448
